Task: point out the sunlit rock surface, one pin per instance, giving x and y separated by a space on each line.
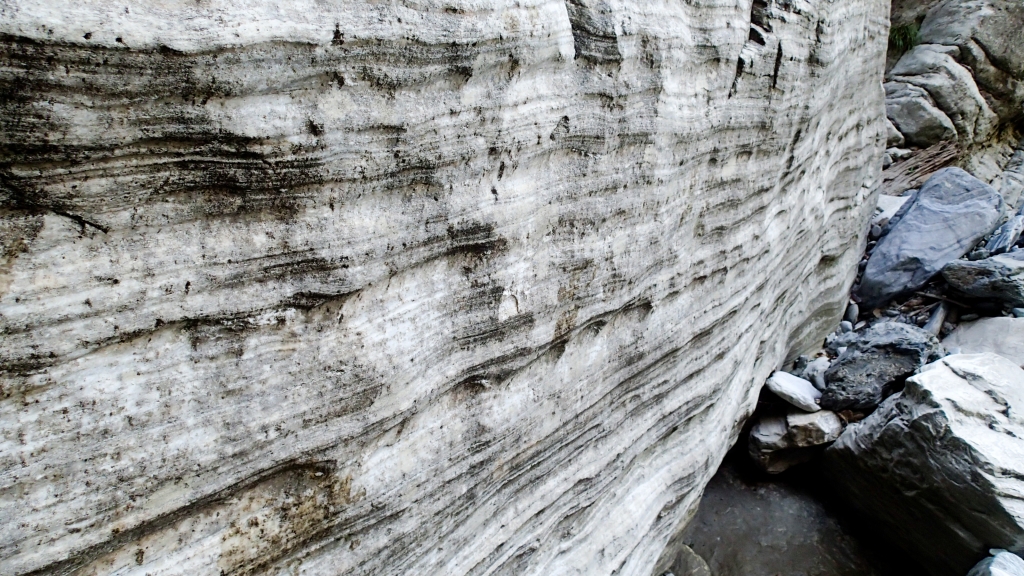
460 287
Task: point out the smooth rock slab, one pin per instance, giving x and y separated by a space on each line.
1002 563
949 214
1002 336
998 278
795 390
874 363
939 468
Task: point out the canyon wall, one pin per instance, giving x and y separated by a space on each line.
409 287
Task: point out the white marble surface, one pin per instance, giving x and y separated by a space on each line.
435 287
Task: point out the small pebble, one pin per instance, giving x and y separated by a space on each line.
1017 312
979 254
840 350
876 231
892 313
860 267
846 326
852 312
969 317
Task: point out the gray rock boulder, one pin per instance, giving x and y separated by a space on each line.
945 219
913 112
795 390
999 277
988 33
1002 563
1002 336
874 364
939 468
932 67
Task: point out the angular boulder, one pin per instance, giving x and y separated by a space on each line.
1002 336
875 363
914 114
778 442
999 277
939 469
947 217
932 67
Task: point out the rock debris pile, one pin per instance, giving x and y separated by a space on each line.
912 408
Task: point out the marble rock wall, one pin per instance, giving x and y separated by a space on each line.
408 286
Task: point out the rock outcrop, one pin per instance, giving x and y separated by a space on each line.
408 288
938 468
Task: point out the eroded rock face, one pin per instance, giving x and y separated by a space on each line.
938 467
432 288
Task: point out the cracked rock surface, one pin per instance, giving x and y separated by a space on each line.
470 287
938 468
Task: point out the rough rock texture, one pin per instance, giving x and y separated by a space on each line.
437 287
913 112
939 468
874 364
944 220
1002 336
932 67
988 33
999 278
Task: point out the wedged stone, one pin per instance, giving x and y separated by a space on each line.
893 137
913 112
888 206
806 430
874 364
814 372
943 221
1002 336
995 278
933 68
795 390
777 443
1006 235
939 468
1002 563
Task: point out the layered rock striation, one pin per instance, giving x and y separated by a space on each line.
395 288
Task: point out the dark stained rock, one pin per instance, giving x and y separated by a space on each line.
997 278
948 216
875 363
